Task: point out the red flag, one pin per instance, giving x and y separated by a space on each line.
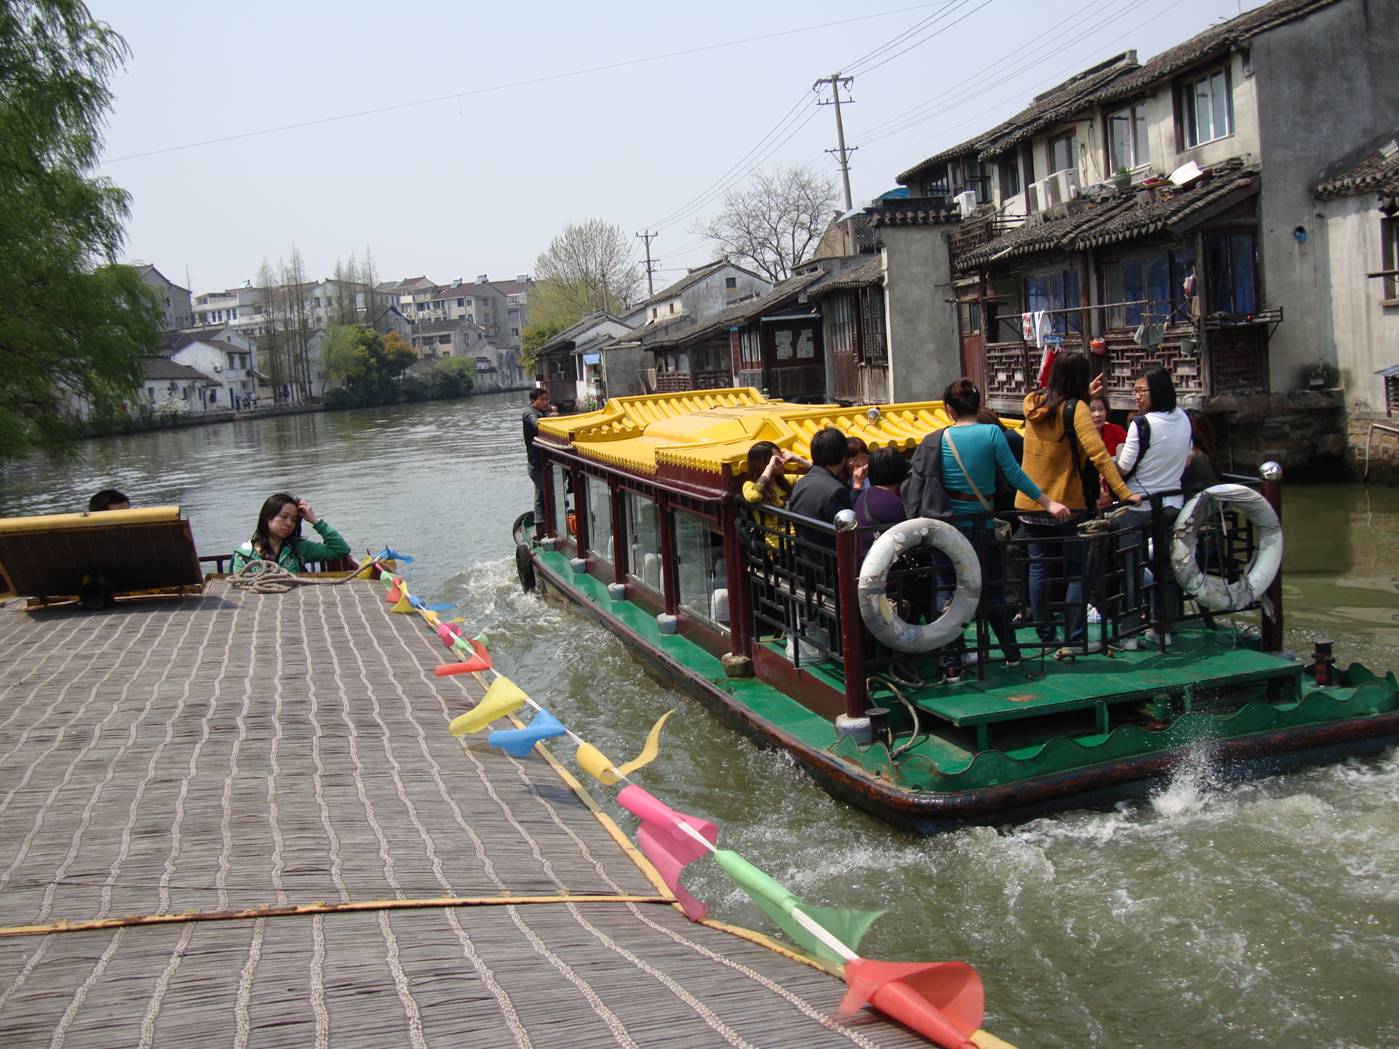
942 1001
668 847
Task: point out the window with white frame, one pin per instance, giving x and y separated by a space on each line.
1207 107
1127 143
1063 151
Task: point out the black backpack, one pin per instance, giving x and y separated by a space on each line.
1143 429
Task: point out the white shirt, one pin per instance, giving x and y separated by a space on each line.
1165 458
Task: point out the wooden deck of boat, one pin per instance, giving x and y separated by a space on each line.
166 762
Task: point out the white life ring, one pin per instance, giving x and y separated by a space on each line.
1210 591
877 611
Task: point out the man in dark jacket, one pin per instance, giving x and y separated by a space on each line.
538 408
824 490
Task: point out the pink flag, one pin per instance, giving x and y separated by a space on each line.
668 847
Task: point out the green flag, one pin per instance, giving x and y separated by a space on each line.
845 924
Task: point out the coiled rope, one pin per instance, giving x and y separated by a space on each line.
268 577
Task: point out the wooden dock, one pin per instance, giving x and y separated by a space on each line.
240 820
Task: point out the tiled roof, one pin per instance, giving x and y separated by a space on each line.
862 276
909 213
689 280
1216 40
1048 108
1112 218
780 293
568 335
1378 171
164 368
1057 105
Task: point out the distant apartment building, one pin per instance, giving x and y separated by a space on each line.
500 308
176 312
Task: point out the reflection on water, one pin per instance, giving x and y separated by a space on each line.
1216 913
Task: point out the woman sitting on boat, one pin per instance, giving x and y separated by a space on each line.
955 471
1061 442
278 536
767 483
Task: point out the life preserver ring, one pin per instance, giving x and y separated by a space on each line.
877 611
1210 591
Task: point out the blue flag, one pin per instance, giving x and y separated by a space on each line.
390 554
520 741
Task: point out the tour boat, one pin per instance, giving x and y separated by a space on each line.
784 632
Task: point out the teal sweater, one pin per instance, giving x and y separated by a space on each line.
983 448
296 553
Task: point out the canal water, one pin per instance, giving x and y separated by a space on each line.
1218 913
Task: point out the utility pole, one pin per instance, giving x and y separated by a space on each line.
647 237
842 154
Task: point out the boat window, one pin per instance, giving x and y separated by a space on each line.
645 535
554 478
699 556
599 520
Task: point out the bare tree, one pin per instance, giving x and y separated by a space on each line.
773 223
587 267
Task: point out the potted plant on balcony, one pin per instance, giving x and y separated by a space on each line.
1122 179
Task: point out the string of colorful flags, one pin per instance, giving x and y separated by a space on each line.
943 1001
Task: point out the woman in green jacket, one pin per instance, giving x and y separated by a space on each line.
278 536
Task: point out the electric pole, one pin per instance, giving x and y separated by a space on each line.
647 237
842 154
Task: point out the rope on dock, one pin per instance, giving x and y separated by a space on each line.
299 910
268 577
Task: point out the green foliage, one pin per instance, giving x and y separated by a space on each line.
536 334
366 368
73 327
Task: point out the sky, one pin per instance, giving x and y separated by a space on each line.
452 139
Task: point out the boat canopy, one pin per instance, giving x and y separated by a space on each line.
711 430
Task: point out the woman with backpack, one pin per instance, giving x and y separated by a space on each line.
1063 456
956 471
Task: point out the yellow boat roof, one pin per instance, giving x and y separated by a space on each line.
711 430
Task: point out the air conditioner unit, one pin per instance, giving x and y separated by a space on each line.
1033 198
966 202
1066 182
1049 192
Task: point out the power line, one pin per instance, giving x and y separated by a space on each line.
733 174
623 64
1000 107
919 43
977 83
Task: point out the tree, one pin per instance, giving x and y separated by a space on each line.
364 366
774 222
586 268
73 325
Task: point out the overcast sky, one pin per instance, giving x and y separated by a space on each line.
459 173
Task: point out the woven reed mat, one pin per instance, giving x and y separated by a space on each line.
239 751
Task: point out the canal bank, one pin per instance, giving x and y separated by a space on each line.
1214 913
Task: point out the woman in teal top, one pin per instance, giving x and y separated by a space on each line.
278 536
972 453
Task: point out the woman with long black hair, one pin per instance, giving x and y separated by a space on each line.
1061 444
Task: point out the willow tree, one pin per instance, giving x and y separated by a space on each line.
588 267
73 324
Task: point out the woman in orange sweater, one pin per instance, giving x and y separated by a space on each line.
1057 451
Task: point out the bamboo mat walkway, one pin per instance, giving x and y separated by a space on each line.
179 760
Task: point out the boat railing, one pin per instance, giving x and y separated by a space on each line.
1101 586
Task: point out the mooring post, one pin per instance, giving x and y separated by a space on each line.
1271 473
852 644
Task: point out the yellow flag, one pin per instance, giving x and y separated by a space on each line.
403 605
503 697
366 572
648 752
596 764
